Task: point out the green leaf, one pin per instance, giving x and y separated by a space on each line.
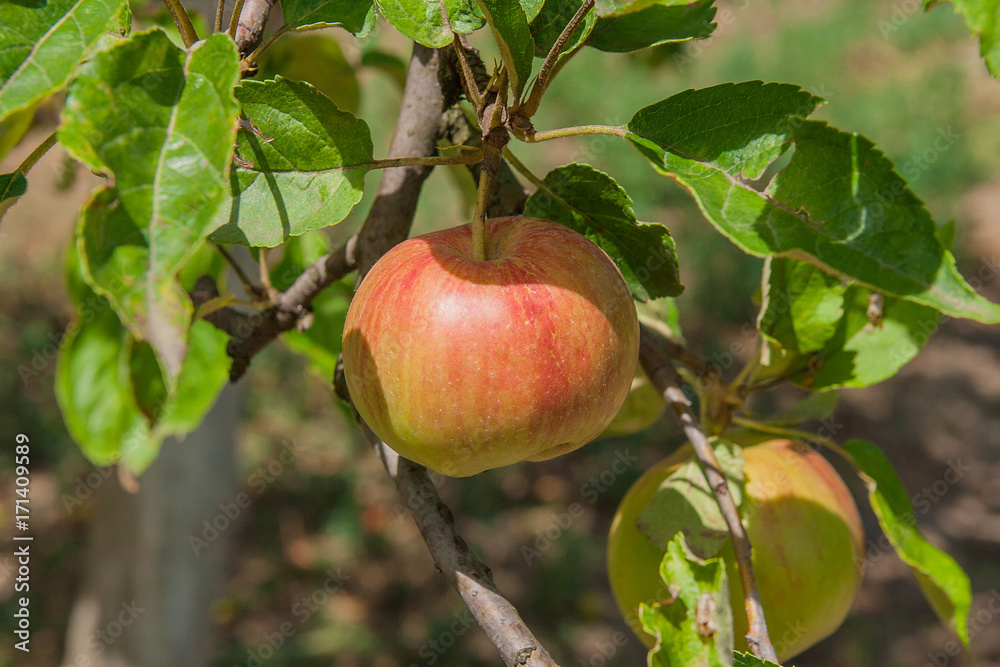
110 387
531 8
552 18
14 127
317 59
295 183
162 121
592 203
320 343
686 504
658 24
41 43
432 22
859 352
93 382
983 19
622 7
838 204
696 626
802 305
12 185
943 582
512 34
817 405
355 16
748 660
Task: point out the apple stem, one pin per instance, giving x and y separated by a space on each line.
487 174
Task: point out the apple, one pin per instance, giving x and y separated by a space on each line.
808 546
642 409
465 365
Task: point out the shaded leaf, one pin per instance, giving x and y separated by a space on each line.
657 24
860 352
432 22
14 127
686 504
817 405
802 305
295 183
943 582
355 16
110 387
531 8
839 203
161 120
41 43
552 18
318 60
512 34
696 627
748 660
592 203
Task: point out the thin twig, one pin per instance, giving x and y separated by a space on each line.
533 137
468 575
218 15
37 154
234 20
545 74
468 79
664 377
248 284
182 21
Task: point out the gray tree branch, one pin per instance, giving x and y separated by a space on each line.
655 358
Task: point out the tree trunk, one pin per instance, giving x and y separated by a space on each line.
147 590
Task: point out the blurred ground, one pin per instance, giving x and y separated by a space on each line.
329 567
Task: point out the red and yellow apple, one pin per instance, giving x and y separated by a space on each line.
465 365
808 546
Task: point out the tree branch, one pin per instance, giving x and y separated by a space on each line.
468 575
660 369
250 27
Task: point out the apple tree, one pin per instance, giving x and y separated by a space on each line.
204 159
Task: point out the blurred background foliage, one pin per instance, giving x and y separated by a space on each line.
329 565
